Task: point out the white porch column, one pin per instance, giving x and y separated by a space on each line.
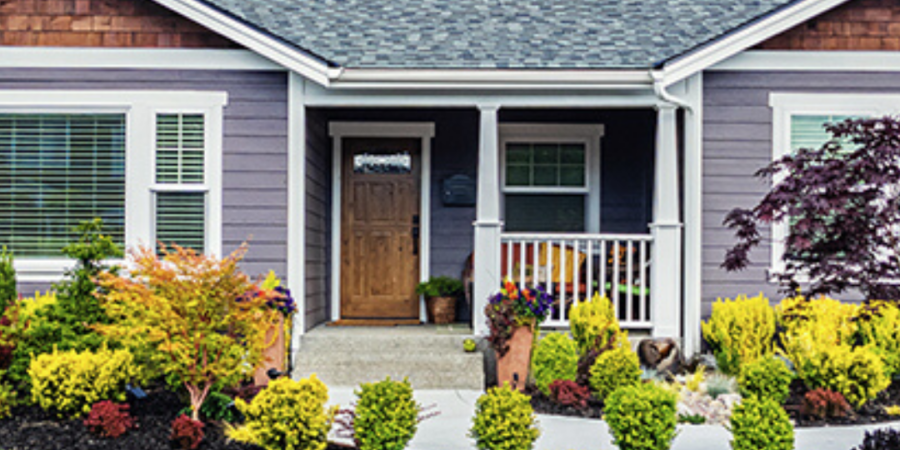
665 273
487 220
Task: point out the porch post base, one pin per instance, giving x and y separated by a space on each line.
665 280
487 272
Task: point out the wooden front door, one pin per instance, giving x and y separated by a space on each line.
380 229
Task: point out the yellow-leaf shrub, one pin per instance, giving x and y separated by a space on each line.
68 383
504 420
878 326
826 320
287 415
614 369
740 331
594 325
857 373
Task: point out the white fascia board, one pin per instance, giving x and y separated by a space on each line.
491 78
133 58
781 21
811 61
261 43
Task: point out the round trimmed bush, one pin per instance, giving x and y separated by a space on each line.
504 420
386 416
555 358
614 369
767 377
642 417
761 424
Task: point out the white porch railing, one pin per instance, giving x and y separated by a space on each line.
573 267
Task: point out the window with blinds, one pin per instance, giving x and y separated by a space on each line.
180 207
57 170
808 131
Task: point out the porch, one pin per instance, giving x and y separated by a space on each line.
563 198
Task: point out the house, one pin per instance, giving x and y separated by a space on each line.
585 145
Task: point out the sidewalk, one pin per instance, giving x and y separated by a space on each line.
448 430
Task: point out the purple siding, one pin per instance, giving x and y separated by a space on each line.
737 141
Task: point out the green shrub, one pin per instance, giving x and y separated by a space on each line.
217 406
879 329
740 331
614 369
440 287
642 417
554 358
7 398
595 326
857 373
8 292
287 415
66 324
504 420
70 382
761 424
767 377
386 416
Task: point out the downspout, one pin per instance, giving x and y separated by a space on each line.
659 88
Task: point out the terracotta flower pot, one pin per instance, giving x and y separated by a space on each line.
441 310
273 357
513 367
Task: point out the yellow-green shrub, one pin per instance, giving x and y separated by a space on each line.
767 377
287 415
386 416
70 382
555 358
614 369
740 331
857 373
504 420
827 321
7 398
878 326
594 325
761 424
642 417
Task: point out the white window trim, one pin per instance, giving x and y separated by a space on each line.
587 134
140 108
785 106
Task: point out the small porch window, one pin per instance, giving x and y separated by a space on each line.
551 177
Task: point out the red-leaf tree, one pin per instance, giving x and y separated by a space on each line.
194 314
841 204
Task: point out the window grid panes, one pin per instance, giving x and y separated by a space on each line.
57 170
180 148
545 165
808 131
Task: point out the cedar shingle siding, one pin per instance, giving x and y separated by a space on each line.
100 23
856 25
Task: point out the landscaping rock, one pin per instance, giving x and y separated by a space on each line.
662 355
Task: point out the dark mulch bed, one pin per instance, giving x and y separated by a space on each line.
544 405
871 412
31 428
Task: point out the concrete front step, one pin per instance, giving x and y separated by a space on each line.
431 357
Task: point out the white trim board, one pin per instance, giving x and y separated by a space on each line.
262 43
133 58
785 105
744 38
811 61
340 130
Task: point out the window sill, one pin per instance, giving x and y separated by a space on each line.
48 270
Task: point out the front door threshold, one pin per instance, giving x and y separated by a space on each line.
373 322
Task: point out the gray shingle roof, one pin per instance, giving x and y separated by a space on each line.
515 34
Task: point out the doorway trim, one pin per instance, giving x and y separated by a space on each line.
340 130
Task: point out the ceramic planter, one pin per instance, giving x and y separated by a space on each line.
513 367
274 355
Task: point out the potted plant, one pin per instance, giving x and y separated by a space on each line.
513 314
440 298
277 298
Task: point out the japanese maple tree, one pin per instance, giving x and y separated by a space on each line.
194 313
841 207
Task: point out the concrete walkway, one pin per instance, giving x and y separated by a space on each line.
448 430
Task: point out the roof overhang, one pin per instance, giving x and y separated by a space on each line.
743 38
320 71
